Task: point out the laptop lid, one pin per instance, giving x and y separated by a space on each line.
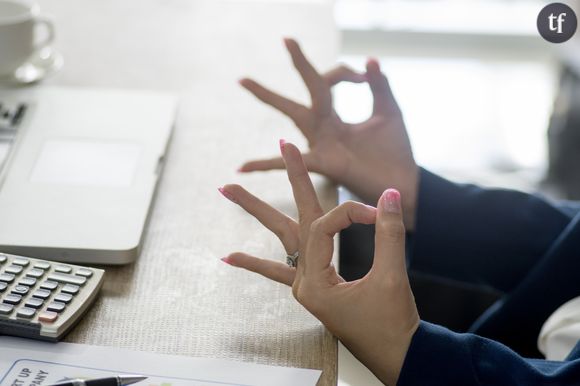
81 176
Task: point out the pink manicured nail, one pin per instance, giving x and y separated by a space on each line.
392 201
282 144
226 260
227 195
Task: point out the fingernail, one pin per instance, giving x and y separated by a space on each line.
226 260
240 169
282 144
227 195
392 201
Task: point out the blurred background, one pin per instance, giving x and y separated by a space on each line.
477 86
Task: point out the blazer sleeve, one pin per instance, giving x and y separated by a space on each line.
438 356
517 318
484 236
572 208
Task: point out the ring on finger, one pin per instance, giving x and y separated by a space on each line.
292 260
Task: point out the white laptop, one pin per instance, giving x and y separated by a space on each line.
79 169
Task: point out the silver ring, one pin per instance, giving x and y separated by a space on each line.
292 260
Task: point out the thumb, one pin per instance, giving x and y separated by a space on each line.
383 99
389 235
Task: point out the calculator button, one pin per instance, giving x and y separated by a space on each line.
3 259
47 317
34 303
6 309
28 281
26 313
22 262
42 294
63 298
56 307
12 299
49 285
15 269
63 269
20 290
67 279
42 265
70 289
84 272
3 286
7 277
35 272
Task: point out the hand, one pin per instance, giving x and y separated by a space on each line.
366 157
376 316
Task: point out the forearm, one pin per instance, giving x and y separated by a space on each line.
438 356
467 233
518 318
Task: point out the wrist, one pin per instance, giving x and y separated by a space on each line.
383 357
388 366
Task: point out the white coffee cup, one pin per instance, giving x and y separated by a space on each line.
19 22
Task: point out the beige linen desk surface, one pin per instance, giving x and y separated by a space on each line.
179 298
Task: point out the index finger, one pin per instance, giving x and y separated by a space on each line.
343 73
320 244
304 194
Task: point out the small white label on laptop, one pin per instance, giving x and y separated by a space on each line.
86 163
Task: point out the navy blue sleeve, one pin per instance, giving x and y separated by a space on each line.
438 356
572 208
482 236
517 318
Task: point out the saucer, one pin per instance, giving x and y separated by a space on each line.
41 64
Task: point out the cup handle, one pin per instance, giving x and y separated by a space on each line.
49 25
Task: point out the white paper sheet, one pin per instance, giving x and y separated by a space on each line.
30 363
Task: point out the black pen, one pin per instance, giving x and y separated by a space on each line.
119 380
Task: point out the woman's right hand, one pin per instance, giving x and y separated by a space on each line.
366 157
375 316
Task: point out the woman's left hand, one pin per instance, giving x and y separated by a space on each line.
376 316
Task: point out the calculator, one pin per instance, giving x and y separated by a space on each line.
42 299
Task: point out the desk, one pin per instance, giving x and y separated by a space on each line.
179 298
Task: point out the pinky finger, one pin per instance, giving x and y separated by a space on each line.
273 270
263 165
277 163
